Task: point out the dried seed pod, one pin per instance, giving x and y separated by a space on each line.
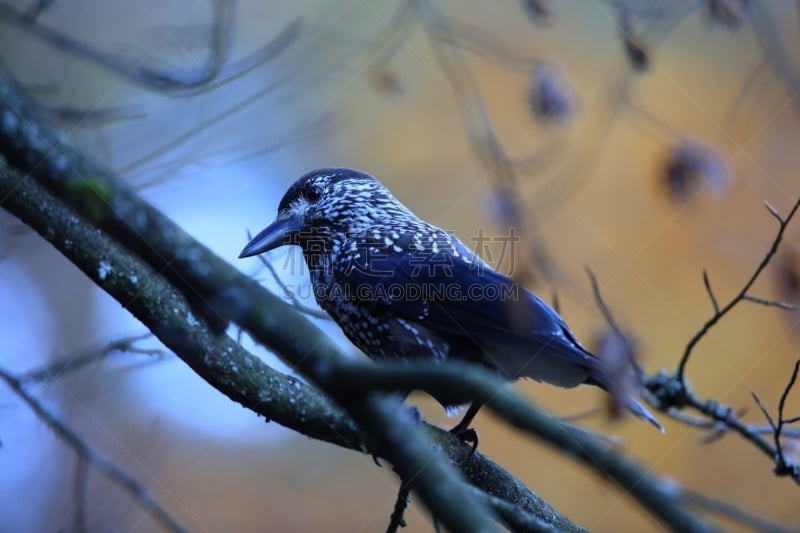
691 166
385 81
787 273
550 96
538 11
618 357
635 48
729 13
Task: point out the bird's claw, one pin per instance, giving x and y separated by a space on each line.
468 436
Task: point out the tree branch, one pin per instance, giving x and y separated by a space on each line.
671 391
95 458
232 370
742 295
71 363
783 466
185 83
659 496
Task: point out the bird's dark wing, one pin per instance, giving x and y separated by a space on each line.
449 290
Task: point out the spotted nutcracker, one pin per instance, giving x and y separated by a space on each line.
401 288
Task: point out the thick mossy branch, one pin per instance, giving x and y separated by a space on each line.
663 498
222 362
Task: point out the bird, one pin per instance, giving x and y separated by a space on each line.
402 288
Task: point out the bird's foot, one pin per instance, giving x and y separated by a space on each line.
468 436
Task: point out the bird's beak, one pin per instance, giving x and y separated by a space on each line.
276 234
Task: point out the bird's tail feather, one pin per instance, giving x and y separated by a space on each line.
635 407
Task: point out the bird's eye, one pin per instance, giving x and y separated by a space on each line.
313 194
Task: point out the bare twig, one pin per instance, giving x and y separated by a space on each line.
83 450
556 303
741 295
665 388
79 493
69 364
80 118
718 429
612 323
710 291
184 83
36 8
484 139
783 465
635 49
770 303
671 392
601 304
397 521
734 512
766 414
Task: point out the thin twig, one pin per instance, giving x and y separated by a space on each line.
770 303
36 8
718 429
485 142
556 302
601 304
136 490
672 393
785 467
718 314
733 512
175 82
79 494
766 414
83 118
612 323
726 415
70 364
397 520
710 291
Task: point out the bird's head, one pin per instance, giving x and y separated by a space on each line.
324 203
